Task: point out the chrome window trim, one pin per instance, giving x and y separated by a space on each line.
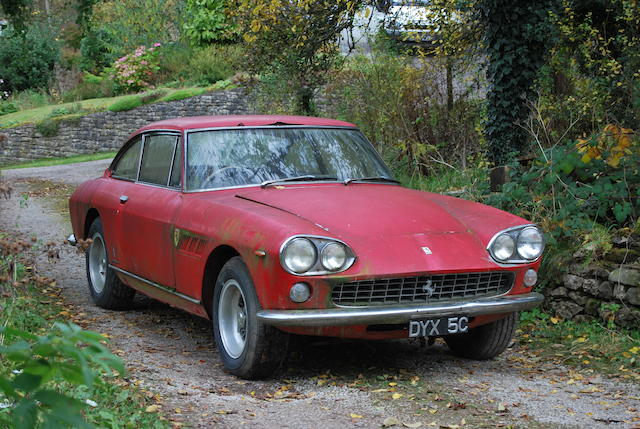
515 262
142 136
242 127
246 127
173 160
351 256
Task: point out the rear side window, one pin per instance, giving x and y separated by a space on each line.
157 158
127 165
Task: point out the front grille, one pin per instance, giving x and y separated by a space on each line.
427 288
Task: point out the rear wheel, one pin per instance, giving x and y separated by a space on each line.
106 290
247 347
486 341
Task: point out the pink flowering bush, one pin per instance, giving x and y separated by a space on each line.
133 72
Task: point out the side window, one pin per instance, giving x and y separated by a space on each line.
127 166
177 167
157 156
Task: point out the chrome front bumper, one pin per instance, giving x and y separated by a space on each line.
345 316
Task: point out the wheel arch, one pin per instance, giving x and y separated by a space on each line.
92 215
216 260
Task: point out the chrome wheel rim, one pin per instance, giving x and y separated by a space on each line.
97 263
232 318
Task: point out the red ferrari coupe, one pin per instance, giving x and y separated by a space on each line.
277 225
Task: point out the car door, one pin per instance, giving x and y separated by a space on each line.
149 207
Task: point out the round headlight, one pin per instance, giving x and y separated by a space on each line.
530 243
333 256
299 255
503 247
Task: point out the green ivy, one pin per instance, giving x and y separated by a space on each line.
516 39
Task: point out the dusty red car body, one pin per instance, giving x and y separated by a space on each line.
169 244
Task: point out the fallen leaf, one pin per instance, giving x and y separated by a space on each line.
355 416
390 421
152 408
412 425
396 396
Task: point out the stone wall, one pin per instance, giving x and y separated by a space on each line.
606 290
106 131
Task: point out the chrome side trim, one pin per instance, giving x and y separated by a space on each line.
157 286
398 314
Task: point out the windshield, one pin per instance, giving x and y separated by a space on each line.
251 156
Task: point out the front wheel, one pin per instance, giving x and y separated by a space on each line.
247 347
486 341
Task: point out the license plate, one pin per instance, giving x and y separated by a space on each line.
439 326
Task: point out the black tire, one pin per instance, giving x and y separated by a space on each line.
264 347
114 295
486 341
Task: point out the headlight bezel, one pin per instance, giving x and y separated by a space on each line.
317 269
516 257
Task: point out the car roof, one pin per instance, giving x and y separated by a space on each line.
199 122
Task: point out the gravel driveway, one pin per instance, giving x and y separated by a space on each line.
324 383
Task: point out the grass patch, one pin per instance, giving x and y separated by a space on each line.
46 162
590 346
127 103
33 304
86 106
181 94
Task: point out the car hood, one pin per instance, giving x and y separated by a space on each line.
392 229
360 209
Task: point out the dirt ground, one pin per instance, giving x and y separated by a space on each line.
324 383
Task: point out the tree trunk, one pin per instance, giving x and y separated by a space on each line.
449 84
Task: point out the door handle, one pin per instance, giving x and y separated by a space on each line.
123 199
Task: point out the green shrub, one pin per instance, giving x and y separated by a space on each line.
174 63
91 86
213 63
41 363
207 22
97 52
48 127
403 109
66 110
27 60
571 187
31 99
132 23
126 103
7 107
181 94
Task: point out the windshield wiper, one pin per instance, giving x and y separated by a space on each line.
370 179
306 178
